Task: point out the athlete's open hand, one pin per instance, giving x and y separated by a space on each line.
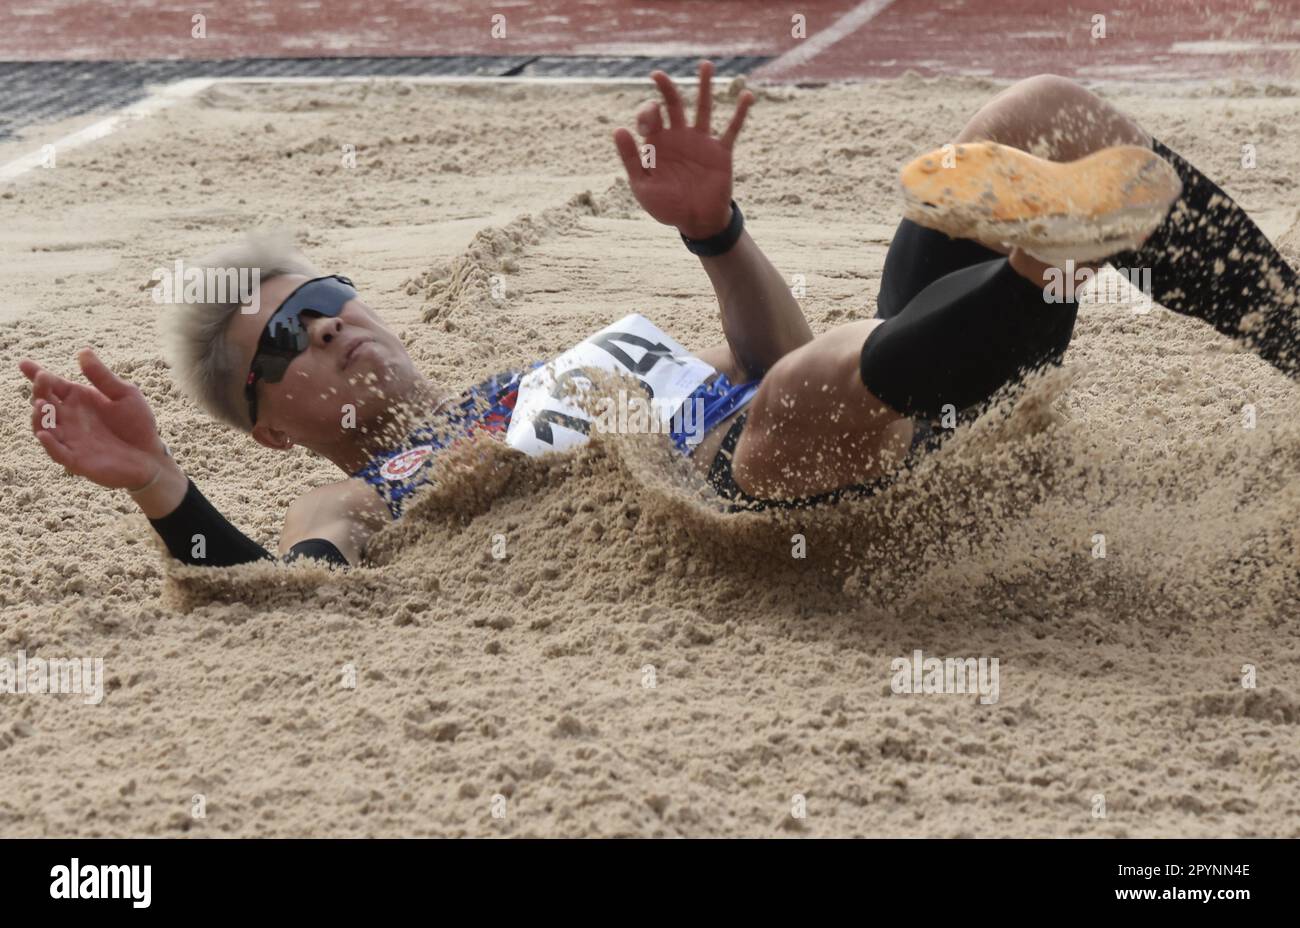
688 182
105 432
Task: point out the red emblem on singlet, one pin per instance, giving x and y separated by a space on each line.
401 466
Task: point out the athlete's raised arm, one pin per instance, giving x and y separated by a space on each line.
106 432
683 179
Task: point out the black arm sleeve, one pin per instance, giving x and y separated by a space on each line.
195 533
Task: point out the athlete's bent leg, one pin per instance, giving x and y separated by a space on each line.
840 411
1208 260
1049 116
963 323
813 426
1054 118
960 323
963 338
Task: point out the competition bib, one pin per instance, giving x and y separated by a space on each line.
548 415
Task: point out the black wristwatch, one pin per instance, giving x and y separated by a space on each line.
721 243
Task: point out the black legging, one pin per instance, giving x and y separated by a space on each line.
962 324
1209 260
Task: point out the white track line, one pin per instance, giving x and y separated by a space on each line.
174 93
156 102
818 42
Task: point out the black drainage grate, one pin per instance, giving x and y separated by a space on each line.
32 92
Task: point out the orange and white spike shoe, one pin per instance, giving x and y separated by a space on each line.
1085 210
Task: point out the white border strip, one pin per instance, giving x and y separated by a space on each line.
811 47
154 103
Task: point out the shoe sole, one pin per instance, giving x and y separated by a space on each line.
1083 210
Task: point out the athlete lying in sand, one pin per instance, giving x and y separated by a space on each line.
790 418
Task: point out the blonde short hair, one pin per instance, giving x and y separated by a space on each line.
203 363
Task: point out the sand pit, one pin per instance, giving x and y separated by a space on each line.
527 677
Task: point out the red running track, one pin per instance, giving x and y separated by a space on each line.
845 39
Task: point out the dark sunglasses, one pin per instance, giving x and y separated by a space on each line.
286 336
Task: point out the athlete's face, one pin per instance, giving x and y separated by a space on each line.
352 371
